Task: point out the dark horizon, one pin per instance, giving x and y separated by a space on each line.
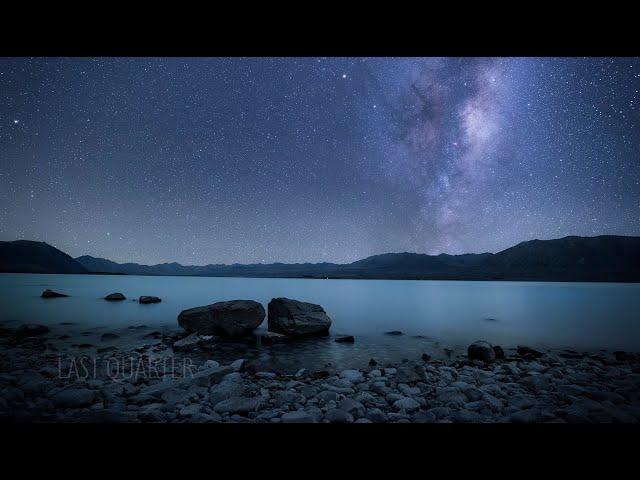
257 160
61 248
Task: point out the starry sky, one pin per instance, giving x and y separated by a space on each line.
248 160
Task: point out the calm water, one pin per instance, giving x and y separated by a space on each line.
578 315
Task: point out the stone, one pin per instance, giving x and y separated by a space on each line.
233 318
74 398
345 339
226 389
31 330
497 349
237 405
149 299
335 415
353 376
108 336
525 416
425 357
297 416
295 318
393 332
51 294
481 350
238 365
524 350
407 373
406 404
376 415
210 364
352 406
115 297
188 343
271 338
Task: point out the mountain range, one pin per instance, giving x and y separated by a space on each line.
602 258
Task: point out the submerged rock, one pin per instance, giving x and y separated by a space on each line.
271 338
149 299
51 294
481 350
393 332
115 297
109 336
295 318
234 318
345 339
192 341
31 330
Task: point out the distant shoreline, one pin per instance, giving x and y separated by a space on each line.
433 279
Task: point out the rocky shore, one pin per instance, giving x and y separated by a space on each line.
203 373
46 377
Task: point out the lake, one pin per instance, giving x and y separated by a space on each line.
587 316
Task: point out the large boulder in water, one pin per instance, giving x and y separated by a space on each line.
51 294
481 350
294 318
234 318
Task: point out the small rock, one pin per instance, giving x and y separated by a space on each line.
237 405
51 294
481 350
524 351
345 339
298 416
115 297
335 415
406 404
74 398
149 299
353 376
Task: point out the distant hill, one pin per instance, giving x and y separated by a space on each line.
604 258
25 256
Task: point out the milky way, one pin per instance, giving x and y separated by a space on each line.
331 159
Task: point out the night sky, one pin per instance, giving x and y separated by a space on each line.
303 159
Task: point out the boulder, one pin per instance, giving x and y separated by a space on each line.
499 352
115 297
51 294
295 318
235 318
481 350
149 299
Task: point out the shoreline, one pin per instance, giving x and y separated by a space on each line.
434 279
214 383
